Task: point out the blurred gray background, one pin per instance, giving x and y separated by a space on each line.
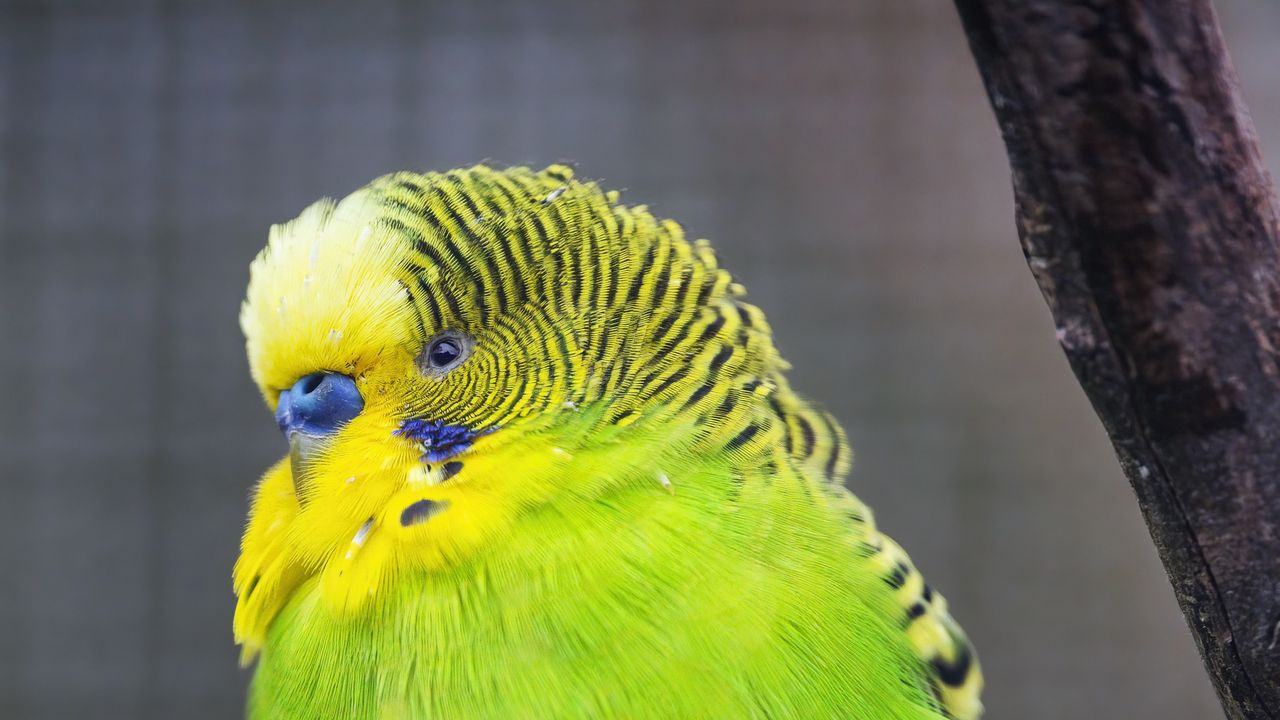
840 153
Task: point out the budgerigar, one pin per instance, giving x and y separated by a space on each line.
544 463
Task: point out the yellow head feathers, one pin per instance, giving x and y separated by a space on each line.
325 295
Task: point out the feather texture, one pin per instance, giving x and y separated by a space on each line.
614 507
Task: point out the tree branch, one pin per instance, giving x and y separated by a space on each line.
1150 223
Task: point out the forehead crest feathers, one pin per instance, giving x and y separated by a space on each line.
325 283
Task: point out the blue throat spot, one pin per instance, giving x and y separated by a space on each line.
439 440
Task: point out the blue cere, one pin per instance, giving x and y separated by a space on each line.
438 439
318 404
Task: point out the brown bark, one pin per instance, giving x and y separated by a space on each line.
1150 223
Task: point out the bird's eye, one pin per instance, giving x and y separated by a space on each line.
444 352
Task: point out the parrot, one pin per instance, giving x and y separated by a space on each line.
544 462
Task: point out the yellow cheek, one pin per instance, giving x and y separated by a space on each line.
440 529
420 527
440 516
446 511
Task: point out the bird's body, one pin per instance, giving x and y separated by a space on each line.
575 482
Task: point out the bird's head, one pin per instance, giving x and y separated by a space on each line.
448 353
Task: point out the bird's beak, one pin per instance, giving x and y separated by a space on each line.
302 450
309 413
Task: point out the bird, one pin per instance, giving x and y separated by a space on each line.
545 462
